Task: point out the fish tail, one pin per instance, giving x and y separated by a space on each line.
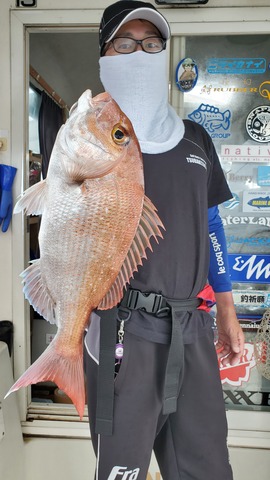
66 372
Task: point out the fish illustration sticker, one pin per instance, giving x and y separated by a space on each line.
256 201
186 75
211 118
258 124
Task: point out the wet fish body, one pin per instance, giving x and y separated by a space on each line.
95 228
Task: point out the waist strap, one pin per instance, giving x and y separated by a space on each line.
159 306
175 363
105 380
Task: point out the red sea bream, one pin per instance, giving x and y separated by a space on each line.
95 228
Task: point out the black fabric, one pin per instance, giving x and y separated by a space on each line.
49 121
182 184
105 385
178 310
189 444
175 365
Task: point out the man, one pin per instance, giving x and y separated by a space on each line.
167 392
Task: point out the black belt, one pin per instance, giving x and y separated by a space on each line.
159 306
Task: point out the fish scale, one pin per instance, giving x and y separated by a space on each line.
95 228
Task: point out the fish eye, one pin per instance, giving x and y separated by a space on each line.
119 135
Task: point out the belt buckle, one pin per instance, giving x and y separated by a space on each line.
150 302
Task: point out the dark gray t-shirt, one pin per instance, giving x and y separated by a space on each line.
182 183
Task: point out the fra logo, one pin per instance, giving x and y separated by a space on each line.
123 473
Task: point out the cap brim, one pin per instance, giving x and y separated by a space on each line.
150 15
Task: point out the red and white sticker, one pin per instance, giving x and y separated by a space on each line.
237 374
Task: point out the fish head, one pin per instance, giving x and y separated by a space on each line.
96 137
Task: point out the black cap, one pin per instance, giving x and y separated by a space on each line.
122 12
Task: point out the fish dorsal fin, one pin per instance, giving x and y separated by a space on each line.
32 200
37 293
149 226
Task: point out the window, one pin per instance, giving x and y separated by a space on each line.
229 94
34 105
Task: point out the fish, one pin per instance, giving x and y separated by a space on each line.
96 225
260 202
211 118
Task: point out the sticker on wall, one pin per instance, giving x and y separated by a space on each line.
236 178
263 176
232 202
236 66
258 124
263 89
249 268
186 74
212 119
245 153
245 220
251 298
237 374
258 242
256 200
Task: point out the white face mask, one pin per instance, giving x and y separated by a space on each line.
138 83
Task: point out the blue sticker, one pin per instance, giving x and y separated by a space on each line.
263 178
249 268
249 242
211 118
232 203
256 200
236 65
260 202
186 75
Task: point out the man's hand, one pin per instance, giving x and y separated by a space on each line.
230 345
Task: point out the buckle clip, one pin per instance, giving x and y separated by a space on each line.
150 302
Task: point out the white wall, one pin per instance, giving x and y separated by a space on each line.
11 441
58 457
74 459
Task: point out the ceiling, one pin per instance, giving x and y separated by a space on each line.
68 62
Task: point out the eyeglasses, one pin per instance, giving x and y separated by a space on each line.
129 45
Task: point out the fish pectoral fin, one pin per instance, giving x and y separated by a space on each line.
32 201
149 225
54 366
37 293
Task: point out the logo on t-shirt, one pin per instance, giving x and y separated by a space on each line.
196 159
